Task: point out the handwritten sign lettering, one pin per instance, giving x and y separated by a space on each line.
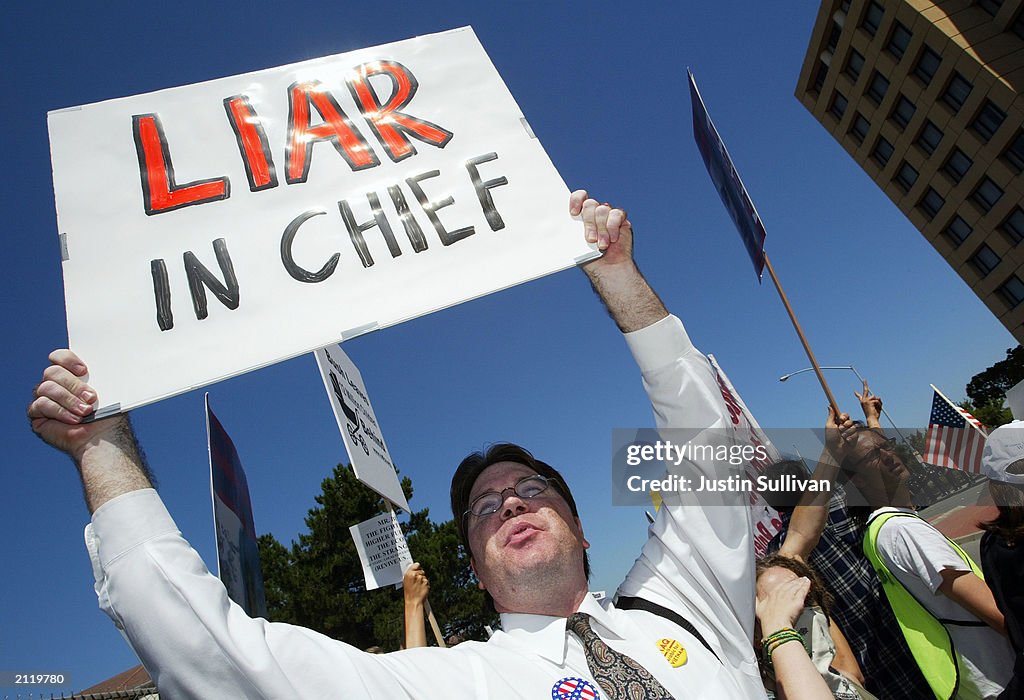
215 228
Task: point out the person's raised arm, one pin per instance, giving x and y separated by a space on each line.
106 452
615 277
871 405
415 586
811 514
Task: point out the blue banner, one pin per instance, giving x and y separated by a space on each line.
238 553
727 181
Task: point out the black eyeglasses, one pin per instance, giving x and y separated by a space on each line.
489 502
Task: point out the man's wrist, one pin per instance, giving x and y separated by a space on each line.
116 434
112 463
599 268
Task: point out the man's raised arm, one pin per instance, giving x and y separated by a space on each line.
810 516
615 277
106 453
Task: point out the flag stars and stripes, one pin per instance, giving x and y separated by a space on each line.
955 438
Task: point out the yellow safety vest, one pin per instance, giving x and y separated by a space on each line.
926 635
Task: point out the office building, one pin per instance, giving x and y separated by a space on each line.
925 96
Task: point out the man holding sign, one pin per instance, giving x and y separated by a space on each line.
681 625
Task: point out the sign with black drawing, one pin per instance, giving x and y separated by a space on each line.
359 428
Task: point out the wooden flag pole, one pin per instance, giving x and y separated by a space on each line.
433 624
426 601
800 334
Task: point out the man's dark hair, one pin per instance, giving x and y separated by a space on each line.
475 463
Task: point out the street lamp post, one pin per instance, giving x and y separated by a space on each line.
861 379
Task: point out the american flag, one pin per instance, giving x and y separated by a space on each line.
955 438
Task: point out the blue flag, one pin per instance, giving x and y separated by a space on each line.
727 181
238 554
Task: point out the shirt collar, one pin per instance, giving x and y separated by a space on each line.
546 635
891 509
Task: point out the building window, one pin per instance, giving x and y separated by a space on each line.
1012 291
931 203
1013 226
899 40
906 176
987 194
854 64
833 37
990 6
927 65
984 260
903 112
957 231
859 128
956 92
1014 153
988 121
882 151
819 76
877 87
929 138
957 165
872 18
838 107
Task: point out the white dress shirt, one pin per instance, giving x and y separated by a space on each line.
698 561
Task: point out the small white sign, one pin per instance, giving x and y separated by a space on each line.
358 425
212 229
382 549
1015 400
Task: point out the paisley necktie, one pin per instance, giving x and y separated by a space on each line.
621 677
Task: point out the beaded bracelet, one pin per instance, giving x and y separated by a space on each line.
777 639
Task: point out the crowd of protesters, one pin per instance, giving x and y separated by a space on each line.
832 621
845 613
855 602
918 616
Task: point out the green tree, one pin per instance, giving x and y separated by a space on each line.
318 583
992 413
992 384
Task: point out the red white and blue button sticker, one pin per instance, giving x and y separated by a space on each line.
574 689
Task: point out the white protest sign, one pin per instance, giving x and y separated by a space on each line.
382 549
215 228
748 431
358 425
1015 400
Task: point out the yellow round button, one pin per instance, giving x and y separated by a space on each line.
673 651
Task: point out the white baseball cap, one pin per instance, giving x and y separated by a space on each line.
1004 448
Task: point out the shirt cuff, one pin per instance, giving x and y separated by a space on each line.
125 522
659 344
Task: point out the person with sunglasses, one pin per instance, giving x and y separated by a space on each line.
947 614
680 626
825 530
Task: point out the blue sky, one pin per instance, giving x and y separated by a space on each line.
604 87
